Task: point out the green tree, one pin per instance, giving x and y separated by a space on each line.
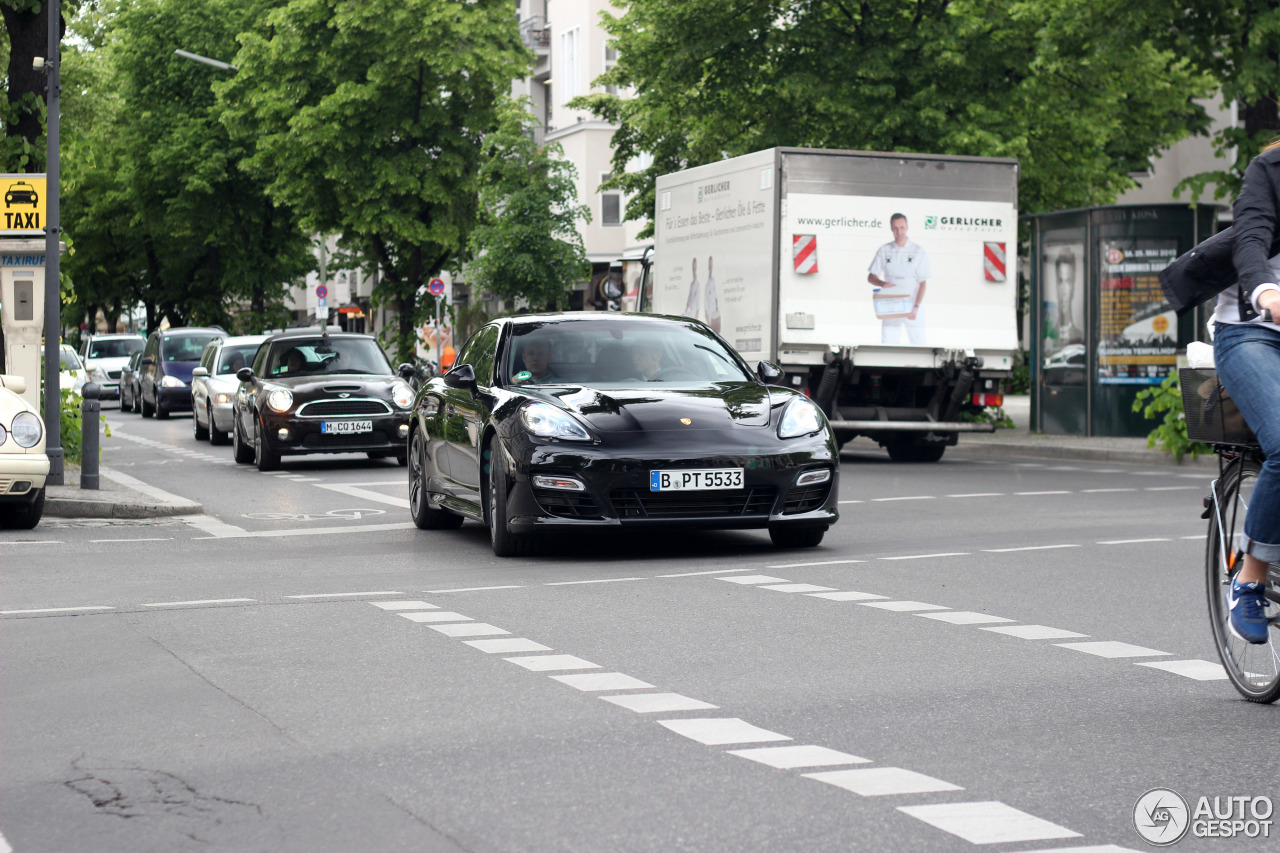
527 244
368 118
1072 88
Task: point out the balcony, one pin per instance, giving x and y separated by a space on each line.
536 34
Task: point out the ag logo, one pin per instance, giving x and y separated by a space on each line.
931 222
1161 817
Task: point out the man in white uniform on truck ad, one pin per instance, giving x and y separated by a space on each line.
713 301
900 272
695 292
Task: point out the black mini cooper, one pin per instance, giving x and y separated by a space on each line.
314 392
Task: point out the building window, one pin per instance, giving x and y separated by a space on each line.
610 60
610 204
567 80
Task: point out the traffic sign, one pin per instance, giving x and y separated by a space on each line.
321 291
436 287
23 211
320 303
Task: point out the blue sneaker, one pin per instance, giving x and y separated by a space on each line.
1248 605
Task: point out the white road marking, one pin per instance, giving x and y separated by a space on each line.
505 646
1035 632
1057 492
1098 491
156 539
718 731
468 629
1201 537
882 781
305 479
364 494
547 663
1065 468
1200 670
592 681
793 757
346 529
404 605
436 616
695 574
4 845
849 502
847 596
33 542
1111 649
653 703
401 482
345 594
1131 541
1026 548
53 610
912 498
750 579
597 580
472 589
978 495
987 822
796 587
928 556
206 601
215 527
1170 488
818 563
964 617
903 606
1097 848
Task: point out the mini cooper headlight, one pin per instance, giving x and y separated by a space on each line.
172 382
27 429
802 417
402 394
546 421
280 400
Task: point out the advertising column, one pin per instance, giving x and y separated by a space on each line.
1138 333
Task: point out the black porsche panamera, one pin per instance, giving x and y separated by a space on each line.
616 420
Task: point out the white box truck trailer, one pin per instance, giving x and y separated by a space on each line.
882 284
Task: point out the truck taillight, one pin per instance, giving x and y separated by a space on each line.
988 399
805 389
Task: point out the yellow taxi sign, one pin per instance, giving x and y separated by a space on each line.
23 210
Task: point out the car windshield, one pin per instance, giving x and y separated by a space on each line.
614 353
115 347
186 347
235 356
319 357
68 359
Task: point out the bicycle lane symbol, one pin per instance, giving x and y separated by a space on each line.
341 514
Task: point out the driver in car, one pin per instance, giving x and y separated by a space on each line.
647 358
536 355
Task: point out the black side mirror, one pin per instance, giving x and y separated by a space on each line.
407 371
462 376
146 360
768 373
245 374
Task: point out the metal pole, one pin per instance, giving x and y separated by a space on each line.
52 258
439 356
90 411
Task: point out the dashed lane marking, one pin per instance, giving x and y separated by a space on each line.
590 682
594 580
196 603
507 646
345 594
1029 494
475 588
150 539
656 703
847 596
548 663
928 556
965 617
753 579
978 495
1131 541
32 542
910 498
1026 548
695 574
797 757
1112 649
54 610
882 781
721 731
1035 632
215 527
1199 670
364 494
344 530
902 606
987 822
468 629
1098 491
798 587
818 563
435 616
404 605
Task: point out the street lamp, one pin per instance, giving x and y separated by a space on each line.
195 57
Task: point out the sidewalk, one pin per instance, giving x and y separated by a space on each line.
117 496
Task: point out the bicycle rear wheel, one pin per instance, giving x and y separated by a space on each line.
1254 669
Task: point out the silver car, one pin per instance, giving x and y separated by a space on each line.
214 383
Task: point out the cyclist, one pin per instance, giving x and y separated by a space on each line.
1247 354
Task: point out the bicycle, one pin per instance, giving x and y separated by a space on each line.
1212 417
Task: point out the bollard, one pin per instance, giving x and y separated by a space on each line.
89 413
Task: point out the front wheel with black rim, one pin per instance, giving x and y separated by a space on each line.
216 436
25 516
147 410
505 543
420 509
790 536
264 456
1254 668
240 451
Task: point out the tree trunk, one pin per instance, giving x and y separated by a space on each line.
28 38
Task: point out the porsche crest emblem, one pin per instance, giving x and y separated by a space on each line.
686 421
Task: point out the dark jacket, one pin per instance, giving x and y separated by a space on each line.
1240 253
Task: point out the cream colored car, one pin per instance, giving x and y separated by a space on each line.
23 463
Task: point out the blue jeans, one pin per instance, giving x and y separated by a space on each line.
1248 361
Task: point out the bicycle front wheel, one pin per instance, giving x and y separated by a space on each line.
1254 669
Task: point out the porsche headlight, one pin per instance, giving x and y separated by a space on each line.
402 394
27 429
280 400
802 417
546 421
172 382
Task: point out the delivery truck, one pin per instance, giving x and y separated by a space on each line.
883 285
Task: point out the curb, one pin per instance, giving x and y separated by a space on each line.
1094 454
85 508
